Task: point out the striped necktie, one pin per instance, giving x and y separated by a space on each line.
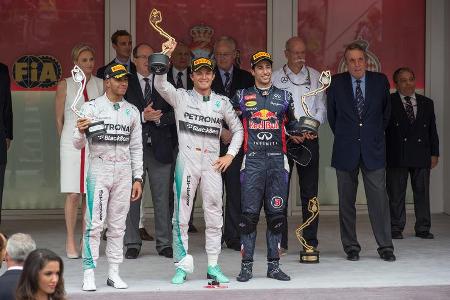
359 98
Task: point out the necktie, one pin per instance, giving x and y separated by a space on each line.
409 109
179 81
227 83
359 98
147 91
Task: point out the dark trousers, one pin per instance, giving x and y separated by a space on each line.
396 182
232 183
377 204
2 181
308 181
159 178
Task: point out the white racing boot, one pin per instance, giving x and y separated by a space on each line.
114 279
89 280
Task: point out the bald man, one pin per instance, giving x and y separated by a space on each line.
298 78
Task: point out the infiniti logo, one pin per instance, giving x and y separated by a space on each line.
264 136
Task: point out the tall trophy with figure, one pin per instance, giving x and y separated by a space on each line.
95 128
302 156
159 62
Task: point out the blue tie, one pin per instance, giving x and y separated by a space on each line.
359 98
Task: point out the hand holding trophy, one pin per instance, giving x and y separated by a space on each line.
94 128
308 123
159 62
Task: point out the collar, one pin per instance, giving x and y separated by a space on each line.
141 77
176 71
363 79
222 72
197 95
120 103
413 96
303 71
15 268
264 92
128 62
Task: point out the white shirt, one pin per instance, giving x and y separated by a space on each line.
15 268
413 102
287 80
175 72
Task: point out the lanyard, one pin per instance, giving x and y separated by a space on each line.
307 81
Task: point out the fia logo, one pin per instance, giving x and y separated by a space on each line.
31 71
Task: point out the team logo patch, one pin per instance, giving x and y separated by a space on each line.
250 103
218 103
284 79
276 202
250 97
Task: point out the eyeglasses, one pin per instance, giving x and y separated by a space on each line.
224 54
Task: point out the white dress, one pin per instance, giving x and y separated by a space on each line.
73 167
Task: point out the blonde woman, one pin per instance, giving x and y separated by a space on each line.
73 161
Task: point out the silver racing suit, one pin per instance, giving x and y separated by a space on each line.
115 159
199 123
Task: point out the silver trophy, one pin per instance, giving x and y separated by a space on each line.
308 123
159 62
95 128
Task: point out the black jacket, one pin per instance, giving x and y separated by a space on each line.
241 80
190 84
411 145
6 115
162 135
101 71
8 284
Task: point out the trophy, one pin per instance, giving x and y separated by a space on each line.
309 254
308 123
95 128
159 62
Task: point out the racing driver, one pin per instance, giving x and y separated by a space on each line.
199 115
114 174
266 113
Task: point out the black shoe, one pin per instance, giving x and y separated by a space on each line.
192 228
132 253
425 235
104 237
397 235
353 255
235 245
388 256
167 252
144 235
274 271
246 272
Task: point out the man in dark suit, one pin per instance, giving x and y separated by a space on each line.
157 134
412 148
6 125
228 79
122 44
18 247
358 108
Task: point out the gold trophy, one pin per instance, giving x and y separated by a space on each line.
159 62
308 123
309 254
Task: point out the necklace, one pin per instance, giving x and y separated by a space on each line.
307 81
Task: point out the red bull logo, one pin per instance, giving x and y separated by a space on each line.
264 119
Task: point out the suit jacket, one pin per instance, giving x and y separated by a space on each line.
358 140
101 71
6 115
8 284
241 80
411 145
190 84
162 137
